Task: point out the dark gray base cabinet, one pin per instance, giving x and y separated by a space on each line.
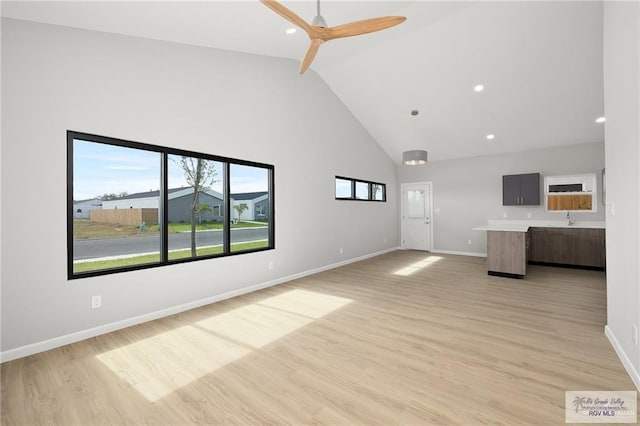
568 246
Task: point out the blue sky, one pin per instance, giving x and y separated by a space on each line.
343 188
100 169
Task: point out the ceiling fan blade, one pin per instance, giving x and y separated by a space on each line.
311 54
362 27
287 14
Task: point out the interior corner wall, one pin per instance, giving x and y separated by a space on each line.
1 237
225 103
468 192
622 149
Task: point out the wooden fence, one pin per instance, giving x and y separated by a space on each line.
125 216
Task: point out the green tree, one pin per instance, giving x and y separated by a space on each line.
376 189
199 174
240 208
202 209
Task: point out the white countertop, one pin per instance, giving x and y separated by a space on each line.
524 225
510 228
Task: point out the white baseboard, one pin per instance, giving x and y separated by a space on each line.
460 253
626 362
56 342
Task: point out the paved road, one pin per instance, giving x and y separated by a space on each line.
105 247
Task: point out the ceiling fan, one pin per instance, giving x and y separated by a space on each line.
319 32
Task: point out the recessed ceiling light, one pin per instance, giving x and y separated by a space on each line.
291 31
601 120
491 137
479 88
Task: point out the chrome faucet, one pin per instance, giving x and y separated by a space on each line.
569 221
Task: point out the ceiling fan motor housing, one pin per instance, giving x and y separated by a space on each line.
319 21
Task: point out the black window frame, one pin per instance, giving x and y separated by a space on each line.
369 183
163 208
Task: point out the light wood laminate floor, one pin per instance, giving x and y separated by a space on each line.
404 338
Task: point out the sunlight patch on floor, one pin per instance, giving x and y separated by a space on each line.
415 267
161 364
307 303
263 322
254 325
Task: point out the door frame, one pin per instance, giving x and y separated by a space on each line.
431 218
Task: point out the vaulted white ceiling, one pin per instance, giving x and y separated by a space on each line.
540 63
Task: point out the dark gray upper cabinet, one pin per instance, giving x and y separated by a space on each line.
521 190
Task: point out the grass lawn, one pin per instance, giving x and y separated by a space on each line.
155 258
85 229
186 227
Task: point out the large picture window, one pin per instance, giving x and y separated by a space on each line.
133 205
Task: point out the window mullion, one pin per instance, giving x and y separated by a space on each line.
226 235
272 215
70 249
163 209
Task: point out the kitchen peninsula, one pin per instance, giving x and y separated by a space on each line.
511 245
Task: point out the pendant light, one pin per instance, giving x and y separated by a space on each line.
415 157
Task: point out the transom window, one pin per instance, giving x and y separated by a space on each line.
358 189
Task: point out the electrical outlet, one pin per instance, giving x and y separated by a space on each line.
634 334
469 242
529 215
504 214
96 302
385 241
270 265
341 251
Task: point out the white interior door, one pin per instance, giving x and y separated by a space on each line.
416 216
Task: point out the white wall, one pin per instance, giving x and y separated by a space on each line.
151 202
622 148
230 104
133 203
468 192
